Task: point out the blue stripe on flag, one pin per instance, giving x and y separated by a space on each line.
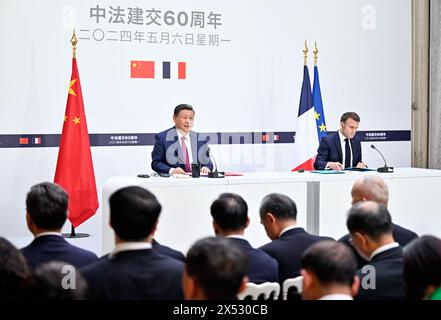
318 106
305 96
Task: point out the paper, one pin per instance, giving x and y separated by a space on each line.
328 172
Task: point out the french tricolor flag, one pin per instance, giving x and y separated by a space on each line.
158 70
306 143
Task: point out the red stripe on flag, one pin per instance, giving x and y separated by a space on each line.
182 70
142 69
23 141
276 137
308 165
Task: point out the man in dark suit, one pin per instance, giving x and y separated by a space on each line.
160 248
215 269
278 214
230 218
373 188
178 147
46 213
370 226
134 270
342 149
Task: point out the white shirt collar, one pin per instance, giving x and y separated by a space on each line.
131 246
342 137
237 236
336 296
48 233
294 226
181 134
384 248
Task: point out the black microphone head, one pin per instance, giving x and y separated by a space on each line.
372 146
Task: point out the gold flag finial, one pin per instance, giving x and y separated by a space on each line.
305 54
74 42
315 54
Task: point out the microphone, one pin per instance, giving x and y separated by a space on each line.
385 168
215 173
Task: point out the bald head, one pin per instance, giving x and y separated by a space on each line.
370 188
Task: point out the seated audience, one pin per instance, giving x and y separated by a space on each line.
329 272
134 270
373 188
422 268
230 219
370 226
46 213
215 269
278 214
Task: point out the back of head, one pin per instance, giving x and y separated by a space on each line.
331 262
56 281
371 188
422 266
133 213
46 204
369 218
280 205
218 267
230 212
13 270
350 115
181 107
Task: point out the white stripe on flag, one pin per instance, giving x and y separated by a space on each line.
306 141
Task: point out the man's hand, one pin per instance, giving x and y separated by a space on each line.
335 166
361 165
205 170
178 171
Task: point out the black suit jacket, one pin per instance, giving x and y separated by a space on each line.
134 275
168 251
56 248
401 235
262 267
389 282
330 151
167 151
288 250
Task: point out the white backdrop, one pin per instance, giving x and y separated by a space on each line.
249 82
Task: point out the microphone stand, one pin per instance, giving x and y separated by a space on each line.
215 174
385 168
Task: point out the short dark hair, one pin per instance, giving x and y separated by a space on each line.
47 204
421 266
230 211
181 107
331 262
13 270
280 205
350 115
133 213
370 218
46 283
218 266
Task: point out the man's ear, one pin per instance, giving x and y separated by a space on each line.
29 221
307 283
355 286
271 218
189 286
243 284
216 227
247 223
152 233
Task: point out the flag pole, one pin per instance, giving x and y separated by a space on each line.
72 233
315 54
305 54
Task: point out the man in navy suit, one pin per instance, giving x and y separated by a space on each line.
373 188
230 218
370 226
278 214
46 213
134 270
178 147
342 149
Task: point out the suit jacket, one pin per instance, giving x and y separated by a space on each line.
262 267
401 235
288 250
389 282
167 152
134 275
330 151
167 251
56 248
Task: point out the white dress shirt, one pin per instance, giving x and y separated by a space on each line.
187 143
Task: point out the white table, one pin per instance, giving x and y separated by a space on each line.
322 202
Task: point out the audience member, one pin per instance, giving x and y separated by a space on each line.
230 218
167 251
215 269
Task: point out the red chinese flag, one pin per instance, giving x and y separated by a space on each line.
74 165
142 69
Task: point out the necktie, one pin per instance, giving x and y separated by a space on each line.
185 154
347 154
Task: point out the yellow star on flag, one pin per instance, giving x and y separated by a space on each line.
322 127
76 120
70 87
65 118
317 116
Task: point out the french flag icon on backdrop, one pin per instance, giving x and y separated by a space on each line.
158 70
